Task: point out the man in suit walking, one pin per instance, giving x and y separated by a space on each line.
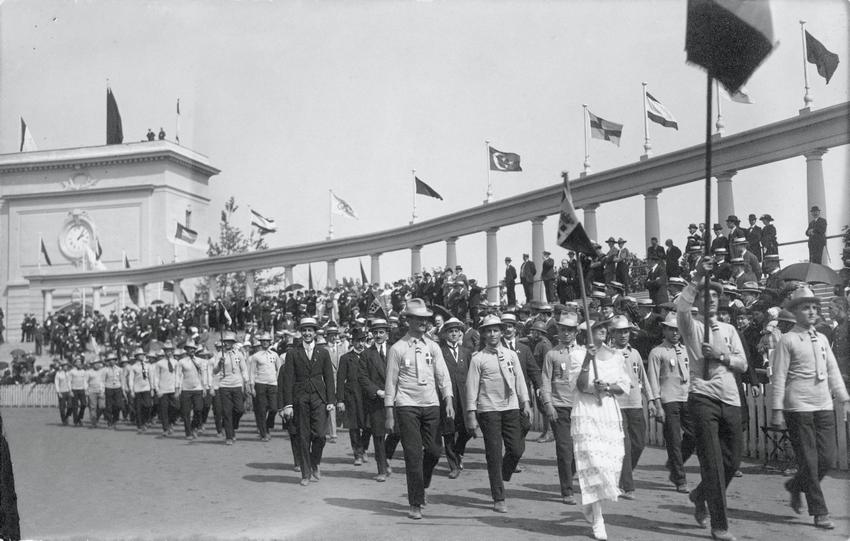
350 396
527 272
308 395
372 377
547 274
510 281
817 236
455 434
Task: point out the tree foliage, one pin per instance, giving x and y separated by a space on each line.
233 240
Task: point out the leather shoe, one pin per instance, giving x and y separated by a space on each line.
700 510
823 522
358 461
500 507
628 495
570 500
682 488
305 481
415 512
381 478
454 474
316 474
722 535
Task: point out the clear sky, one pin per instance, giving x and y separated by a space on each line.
291 99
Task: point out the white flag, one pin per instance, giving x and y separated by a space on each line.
339 206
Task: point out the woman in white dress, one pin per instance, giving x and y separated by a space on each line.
596 426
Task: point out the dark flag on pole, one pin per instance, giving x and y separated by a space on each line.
571 234
363 278
820 56
114 131
729 38
43 250
424 189
504 161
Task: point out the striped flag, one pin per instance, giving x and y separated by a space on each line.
659 114
341 207
184 234
27 142
571 234
265 225
604 129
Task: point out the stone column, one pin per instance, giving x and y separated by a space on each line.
287 274
177 294
47 294
249 284
451 252
212 287
492 266
331 273
652 223
725 197
537 255
142 298
415 260
815 190
590 220
95 298
375 270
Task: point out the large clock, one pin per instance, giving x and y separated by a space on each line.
77 235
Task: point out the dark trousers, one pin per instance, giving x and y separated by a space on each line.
528 289
143 408
359 438
311 417
717 429
455 442
510 290
232 408
265 401
168 408
191 402
213 403
679 439
549 286
79 405
812 436
815 252
114 405
634 440
66 408
418 426
564 449
498 427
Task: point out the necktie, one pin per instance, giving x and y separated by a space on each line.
381 352
820 356
682 373
144 372
715 329
454 352
170 366
511 345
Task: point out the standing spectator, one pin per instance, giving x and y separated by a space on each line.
768 235
674 254
754 234
547 274
610 260
527 272
510 284
805 379
567 280
623 263
656 280
735 231
720 241
817 236
654 248
161 134
693 237
150 135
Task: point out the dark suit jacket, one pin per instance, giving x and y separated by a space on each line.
348 388
548 270
527 271
372 376
657 250
303 376
458 370
818 229
674 254
532 373
510 275
656 284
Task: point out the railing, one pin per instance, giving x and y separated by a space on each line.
28 395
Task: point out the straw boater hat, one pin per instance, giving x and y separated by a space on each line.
452 323
417 308
508 319
799 296
379 323
308 322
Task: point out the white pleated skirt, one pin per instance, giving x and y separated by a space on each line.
597 433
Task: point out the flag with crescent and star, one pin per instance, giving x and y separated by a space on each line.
504 161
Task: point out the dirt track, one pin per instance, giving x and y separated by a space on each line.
99 484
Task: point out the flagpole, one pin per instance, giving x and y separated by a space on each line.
807 98
586 155
489 181
705 292
719 125
413 217
330 215
177 123
647 146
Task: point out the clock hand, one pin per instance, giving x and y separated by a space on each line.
81 235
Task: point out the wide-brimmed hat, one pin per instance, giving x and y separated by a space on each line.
508 319
617 285
717 227
111 356
138 351
190 344
620 322
621 240
646 303
491 321
750 287
611 240
359 334
417 308
568 319
538 326
308 322
594 323
766 218
452 323
671 321
732 218
799 296
168 344
786 316
229 336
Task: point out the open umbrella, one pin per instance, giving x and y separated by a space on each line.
293 287
809 273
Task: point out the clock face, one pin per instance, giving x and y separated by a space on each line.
75 239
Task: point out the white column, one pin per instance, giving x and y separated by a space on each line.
287 274
177 292
375 270
590 220
451 252
95 298
249 284
142 297
537 255
492 266
48 303
212 287
725 197
652 222
815 189
415 260
331 273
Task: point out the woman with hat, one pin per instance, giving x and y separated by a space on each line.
596 425
496 399
768 235
805 379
